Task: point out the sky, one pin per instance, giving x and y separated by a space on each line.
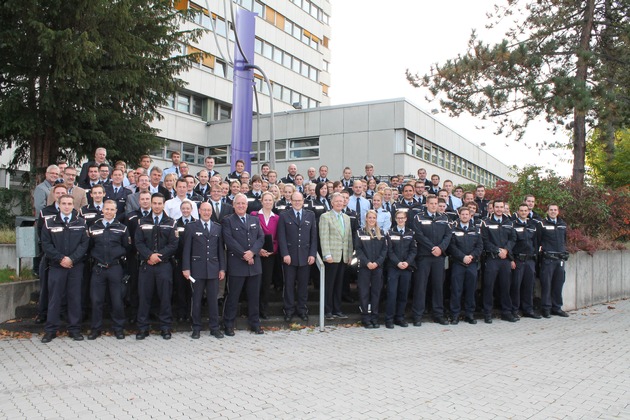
374 42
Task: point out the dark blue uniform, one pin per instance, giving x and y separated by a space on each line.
401 248
182 292
412 208
240 237
59 240
109 244
133 220
370 248
553 237
524 256
253 201
465 241
120 197
48 212
203 254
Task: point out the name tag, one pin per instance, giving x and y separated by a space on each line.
57 229
395 238
426 222
405 209
458 233
550 227
97 232
364 237
407 237
89 216
306 222
520 229
198 233
253 225
493 226
250 199
146 227
180 229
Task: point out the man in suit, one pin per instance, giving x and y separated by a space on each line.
335 236
91 177
78 194
358 203
290 178
182 292
41 192
155 185
297 243
100 156
203 259
243 239
220 210
117 192
323 174
133 200
203 188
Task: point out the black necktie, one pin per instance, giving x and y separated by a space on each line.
298 217
205 226
98 208
144 213
116 190
465 227
106 224
358 207
402 232
65 219
185 221
243 219
387 205
156 220
217 210
188 195
177 170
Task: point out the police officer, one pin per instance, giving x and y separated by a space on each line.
553 239
109 241
92 212
432 233
401 255
498 241
524 262
65 243
465 251
243 239
117 192
408 204
182 292
297 244
203 263
156 243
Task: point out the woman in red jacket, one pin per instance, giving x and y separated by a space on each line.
269 252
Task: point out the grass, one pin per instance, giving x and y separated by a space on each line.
7 275
7 236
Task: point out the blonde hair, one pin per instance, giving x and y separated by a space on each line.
377 229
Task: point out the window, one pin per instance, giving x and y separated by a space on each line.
183 102
277 91
441 158
281 149
258 46
305 68
220 68
409 145
222 112
219 24
277 55
219 153
259 8
267 51
188 152
287 60
170 101
325 65
296 65
197 105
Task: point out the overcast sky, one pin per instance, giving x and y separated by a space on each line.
374 42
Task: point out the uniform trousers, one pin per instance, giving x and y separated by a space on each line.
181 291
211 287
397 291
334 285
522 290
103 278
234 287
157 277
463 283
132 289
268 264
496 268
295 277
42 305
433 268
551 282
370 284
64 283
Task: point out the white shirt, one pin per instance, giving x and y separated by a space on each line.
172 208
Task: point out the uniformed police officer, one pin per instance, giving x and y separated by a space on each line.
408 204
243 239
203 260
182 292
432 233
297 243
465 250
65 244
109 241
524 262
498 241
156 243
554 254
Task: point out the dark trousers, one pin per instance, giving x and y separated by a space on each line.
64 283
551 283
429 267
132 290
522 290
397 292
85 287
103 278
334 285
159 278
497 268
295 277
42 305
182 292
370 284
234 287
268 264
463 282
211 287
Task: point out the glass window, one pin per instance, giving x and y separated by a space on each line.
219 153
259 8
296 65
441 158
277 91
205 21
286 95
277 55
247 4
197 105
434 153
447 160
288 26
219 68
183 102
313 74
267 50
265 88
281 149
170 101
297 32
427 151
296 97
258 46
409 146
188 153
173 146
304 71
287 60
220 27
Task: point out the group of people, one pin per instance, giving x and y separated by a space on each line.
164 241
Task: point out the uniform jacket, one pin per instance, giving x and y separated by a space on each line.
281 205
159 239
430 231
60 240
203 252
354 222
108 244
120 198
333 241
239 238
205 195
465 242
253 202
48 212
526 237
412 209
91 214
498 234
370 249
132 220
401 248
297 240
553 238
226 210
180 226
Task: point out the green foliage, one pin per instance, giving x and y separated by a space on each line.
614 170
76 75
13 202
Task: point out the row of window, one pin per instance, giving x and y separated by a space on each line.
285 94
184 102
286 149
285 59
312 10
425 150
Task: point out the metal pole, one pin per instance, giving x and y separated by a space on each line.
272 134
322 291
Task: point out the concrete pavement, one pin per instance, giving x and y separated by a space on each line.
577 367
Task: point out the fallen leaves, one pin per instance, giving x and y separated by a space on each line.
15 334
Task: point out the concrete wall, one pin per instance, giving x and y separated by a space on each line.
8 259
13 295
596 279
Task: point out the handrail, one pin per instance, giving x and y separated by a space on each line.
322 291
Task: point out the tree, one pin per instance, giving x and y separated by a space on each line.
78 74
566 60
612 171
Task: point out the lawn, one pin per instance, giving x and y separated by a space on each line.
7 275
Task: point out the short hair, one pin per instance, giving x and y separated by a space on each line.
180 180
523 205
103 165
170 175
239 161
264 165
110 201
472 203
52 168
480 186
140 176
369 165
98 186
189 176
119 170
463 208
65 196
185 201
256 178
156 169
143 157
56 186
92 165
323 166
144 193
102 149
175 152
272 171
157 195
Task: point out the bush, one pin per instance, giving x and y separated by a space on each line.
13 202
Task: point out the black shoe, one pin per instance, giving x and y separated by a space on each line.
375 324
508 317
119 335
329 317
516 317
560 312
368 325
455 321
487 319
166 335
257 330
440 320
263 315
48 337
545 313
304 317
417 323
195 335
531 315
470 320
94 335
389 325
229 332
132 320
76 336
216 334
288 318
142 335
40 320
402 323
340 315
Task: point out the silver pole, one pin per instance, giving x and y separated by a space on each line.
322 291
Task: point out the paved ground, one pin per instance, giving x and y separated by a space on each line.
558 368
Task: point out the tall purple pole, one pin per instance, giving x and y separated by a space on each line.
243 96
